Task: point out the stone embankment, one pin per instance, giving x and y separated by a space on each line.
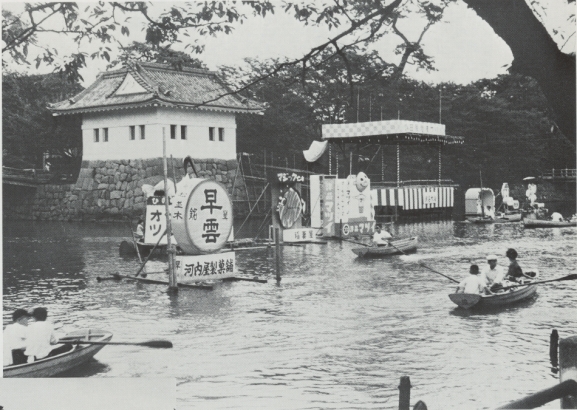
109 190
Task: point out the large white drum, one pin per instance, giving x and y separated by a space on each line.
201 216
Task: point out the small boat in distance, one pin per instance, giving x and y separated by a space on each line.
52 366
405 245
507 297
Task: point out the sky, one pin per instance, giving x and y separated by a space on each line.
464 47
88 394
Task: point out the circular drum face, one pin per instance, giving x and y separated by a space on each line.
291 211
204 220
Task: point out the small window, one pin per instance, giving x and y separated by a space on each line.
183 132
173 132
142 134
132 132
221 134
211 133
105 131
96 135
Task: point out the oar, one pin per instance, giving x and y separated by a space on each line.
149 255
573 276
425 266
358 243
161 344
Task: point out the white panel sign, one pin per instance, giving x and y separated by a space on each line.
298 235
155 223
197 268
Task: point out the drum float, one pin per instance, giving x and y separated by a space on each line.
201 215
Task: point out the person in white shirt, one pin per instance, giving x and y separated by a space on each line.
381 238
139 234
186 182
40 337
557 217
493 275
473 283
15 338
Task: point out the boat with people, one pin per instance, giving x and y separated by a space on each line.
52 366
544 223
500 298
395 247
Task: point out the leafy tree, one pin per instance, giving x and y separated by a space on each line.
28 128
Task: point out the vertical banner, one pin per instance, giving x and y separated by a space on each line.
155 220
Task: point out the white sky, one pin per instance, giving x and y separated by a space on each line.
463 46
88 394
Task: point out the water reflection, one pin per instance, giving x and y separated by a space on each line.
335 332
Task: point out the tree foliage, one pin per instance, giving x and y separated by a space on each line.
28 128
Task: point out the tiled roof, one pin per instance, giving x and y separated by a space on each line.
163 85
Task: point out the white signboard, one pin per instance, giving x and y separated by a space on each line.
155 223
198 268
298 235
430 199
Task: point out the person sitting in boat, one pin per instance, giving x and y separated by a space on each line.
493 275
15 338
515 273
40 337
139 234
381 237
490 213
473 283
557 217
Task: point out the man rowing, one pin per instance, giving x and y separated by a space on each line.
493 275
381 237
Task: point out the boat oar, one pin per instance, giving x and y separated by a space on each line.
573 276
425 266
161 344
355 242
149 255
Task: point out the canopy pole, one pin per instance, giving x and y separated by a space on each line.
398 165
382 164
440 147
330 159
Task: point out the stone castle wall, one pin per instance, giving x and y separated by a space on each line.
110 190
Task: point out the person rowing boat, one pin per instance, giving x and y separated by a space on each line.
381 237
472 284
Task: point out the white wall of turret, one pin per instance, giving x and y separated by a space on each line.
137 133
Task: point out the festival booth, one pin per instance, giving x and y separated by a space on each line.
479 202
342 207
393 197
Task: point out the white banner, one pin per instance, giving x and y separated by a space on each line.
198 268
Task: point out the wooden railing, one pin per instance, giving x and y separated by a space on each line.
30 176
565 173
413 182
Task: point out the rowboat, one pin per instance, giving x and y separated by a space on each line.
510 296
405 245
541 223
55 365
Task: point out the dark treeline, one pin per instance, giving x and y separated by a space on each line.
508 126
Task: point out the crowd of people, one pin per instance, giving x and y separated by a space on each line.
30 337
492 279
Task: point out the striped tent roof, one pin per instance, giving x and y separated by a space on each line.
147 84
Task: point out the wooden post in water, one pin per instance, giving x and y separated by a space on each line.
554 348
172 283
405 393
568 368
277 252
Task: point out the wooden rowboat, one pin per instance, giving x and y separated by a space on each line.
540 223
405 245
52 366
510 296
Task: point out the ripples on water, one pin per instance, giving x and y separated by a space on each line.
337 332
